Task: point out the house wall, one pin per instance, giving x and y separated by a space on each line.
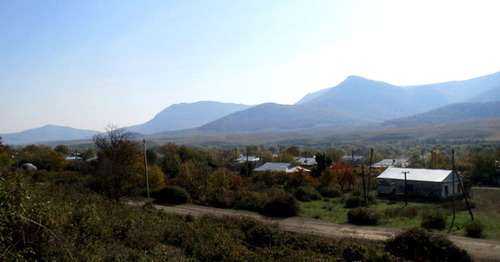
417 188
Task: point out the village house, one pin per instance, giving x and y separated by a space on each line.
306 161
280 167
244 159
425 183
392 162
353 159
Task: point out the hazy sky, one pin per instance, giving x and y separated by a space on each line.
86 64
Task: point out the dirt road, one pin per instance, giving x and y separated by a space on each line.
479 249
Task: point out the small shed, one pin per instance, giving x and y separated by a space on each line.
427 183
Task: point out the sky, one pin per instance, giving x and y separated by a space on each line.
87 64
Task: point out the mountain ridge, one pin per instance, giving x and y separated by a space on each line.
356 101
186 115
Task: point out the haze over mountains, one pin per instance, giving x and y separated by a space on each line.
353 103
187 115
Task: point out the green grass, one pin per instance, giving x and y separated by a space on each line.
397 215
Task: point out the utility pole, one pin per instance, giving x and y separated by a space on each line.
146 167
462 188
406 188
370 170
248 165
364 188
453 187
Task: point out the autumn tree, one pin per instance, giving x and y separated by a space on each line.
117 157
439 160
344 175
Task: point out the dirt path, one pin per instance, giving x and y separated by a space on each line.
479 249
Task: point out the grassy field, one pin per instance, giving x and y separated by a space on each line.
486 202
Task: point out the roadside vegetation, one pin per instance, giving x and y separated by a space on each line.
71 209
435 216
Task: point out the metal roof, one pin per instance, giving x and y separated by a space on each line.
307 161
416 174
243 159
281 167
391 162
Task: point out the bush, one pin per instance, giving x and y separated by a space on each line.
307 193
172 195
474 228
408 211
254 201
330 192
354 253
220 197
281 204
352 202
433 219
419 245
363 216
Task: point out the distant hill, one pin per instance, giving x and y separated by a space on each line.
355 101
449 114
492 94
47 133
272 116
465 131
187 115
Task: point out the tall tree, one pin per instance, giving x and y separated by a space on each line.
117 156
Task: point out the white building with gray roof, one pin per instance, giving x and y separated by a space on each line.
428 183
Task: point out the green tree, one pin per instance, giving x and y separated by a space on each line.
62 149
117 157
6 161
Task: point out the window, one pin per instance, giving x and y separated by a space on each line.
446 190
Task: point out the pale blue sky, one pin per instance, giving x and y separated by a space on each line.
85 64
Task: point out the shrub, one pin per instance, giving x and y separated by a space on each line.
419 245
307 193
260 235
356 192
474 228
173 195
354 253
220 197
352 202
408 211
281 204
254 201
330 192
363 216
433 219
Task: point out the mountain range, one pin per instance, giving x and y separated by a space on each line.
354 103
186 115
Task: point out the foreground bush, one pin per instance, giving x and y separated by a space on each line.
474 228
281 204
330 191
253 201
220 197
306 193
172 195
352 202
364 216
419 245
433 219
